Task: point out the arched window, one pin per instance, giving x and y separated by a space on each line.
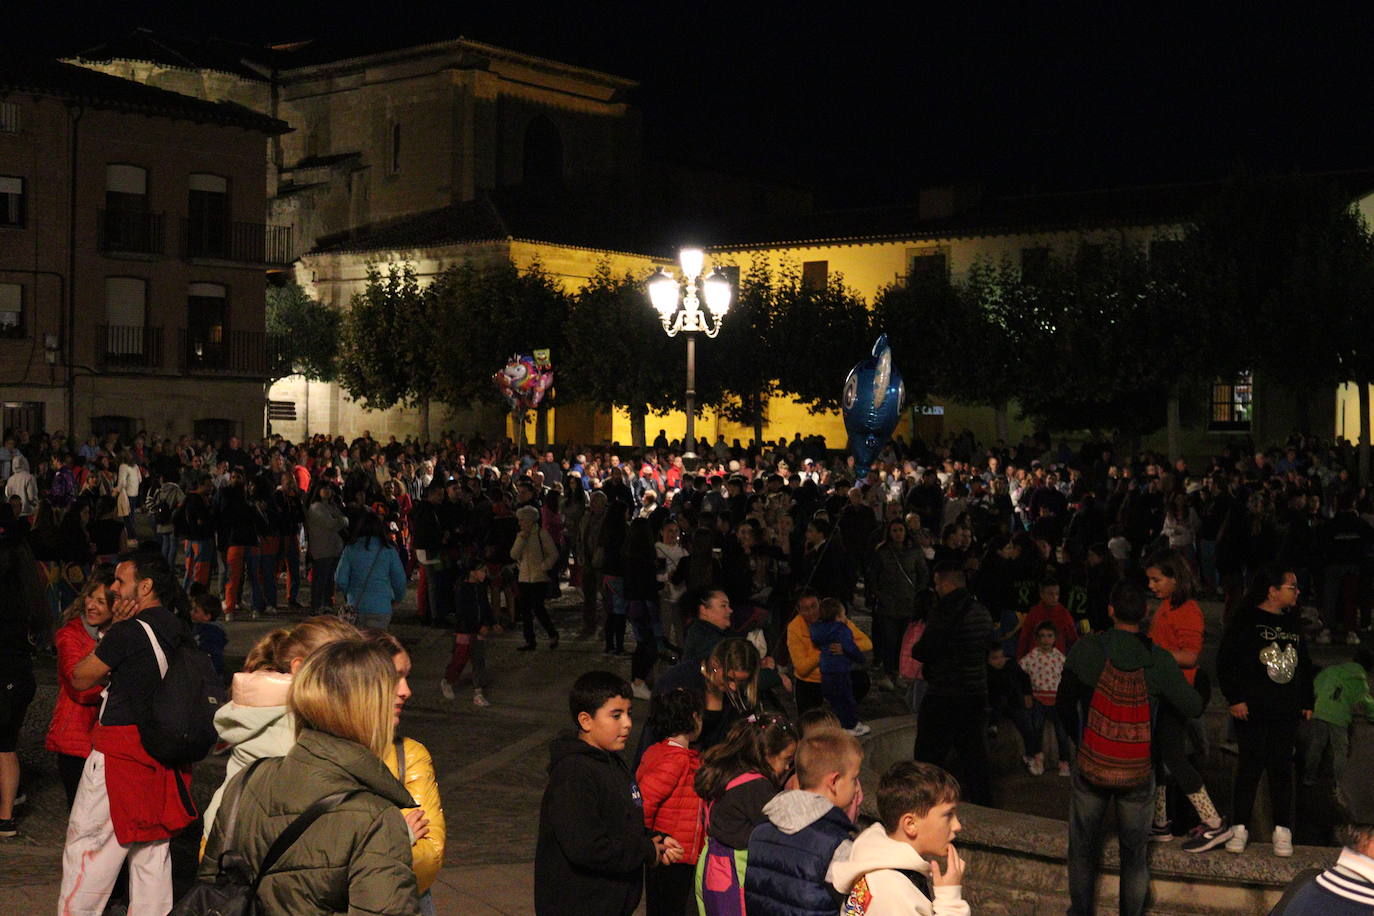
543 165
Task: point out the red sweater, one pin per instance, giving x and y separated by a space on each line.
1063 624
666 773
76 711
145 803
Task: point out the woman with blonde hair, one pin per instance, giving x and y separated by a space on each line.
256 721
83 623
410 762
343 699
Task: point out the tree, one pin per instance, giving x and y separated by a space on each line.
485 315
305 332
617 352
818 335
388 353
743 359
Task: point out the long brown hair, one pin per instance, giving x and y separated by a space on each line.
278 649
746 749
103 576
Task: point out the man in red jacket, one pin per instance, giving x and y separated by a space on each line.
128 805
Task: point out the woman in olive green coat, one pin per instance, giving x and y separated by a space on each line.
356 858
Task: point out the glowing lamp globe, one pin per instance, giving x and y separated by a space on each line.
663 293
717 287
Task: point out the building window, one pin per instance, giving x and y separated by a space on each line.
207 317
815 275
1232 404
9 117
1035 264
11 202
394 166
11 310
207 216
126 303
127 226
925 265
123 427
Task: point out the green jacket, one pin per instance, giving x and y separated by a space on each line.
1342 691
1128 652
354 860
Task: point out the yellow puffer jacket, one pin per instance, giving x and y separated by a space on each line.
428 853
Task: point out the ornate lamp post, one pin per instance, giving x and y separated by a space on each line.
682 314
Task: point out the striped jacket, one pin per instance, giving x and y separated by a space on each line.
1345 889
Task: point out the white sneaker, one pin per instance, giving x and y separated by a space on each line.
641 691
446 689
858 731
478 699
1283 842
1352 638
1239 837
1037 765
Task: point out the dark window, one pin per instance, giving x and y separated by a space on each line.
1232 403
543 154
11 201
207 317
22 417
214 429
1035 264
128 224
815 274
925 265
9 117
11 310
207 217
395 165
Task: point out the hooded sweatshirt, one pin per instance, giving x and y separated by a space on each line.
793 856
874 880
593 844
255 723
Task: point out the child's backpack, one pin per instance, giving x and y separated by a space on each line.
1114 752
180 727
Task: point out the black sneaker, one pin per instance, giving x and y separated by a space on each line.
1161 834
8 828
1202 838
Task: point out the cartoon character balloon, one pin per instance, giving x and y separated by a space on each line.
525 379
872 404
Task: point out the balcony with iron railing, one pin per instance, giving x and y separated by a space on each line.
128 348
243 354
130 232
253 243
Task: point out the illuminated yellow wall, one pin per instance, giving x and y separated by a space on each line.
1348 411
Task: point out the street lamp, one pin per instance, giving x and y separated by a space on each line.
683 314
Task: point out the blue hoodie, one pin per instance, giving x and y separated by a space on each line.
823 633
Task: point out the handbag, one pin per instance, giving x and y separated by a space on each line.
233 893
908 667
348 613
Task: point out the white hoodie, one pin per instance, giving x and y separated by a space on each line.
872 877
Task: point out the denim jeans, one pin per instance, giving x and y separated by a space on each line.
1088 806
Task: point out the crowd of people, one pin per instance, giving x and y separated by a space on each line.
1001 583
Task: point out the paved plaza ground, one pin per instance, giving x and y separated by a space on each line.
490 762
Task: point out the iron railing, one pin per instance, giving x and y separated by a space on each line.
126 348
254 243
130 231
249 354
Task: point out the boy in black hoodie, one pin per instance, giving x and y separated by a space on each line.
593 844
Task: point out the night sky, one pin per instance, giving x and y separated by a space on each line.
865 105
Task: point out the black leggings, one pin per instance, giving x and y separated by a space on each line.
1266 745
1171 740
69 769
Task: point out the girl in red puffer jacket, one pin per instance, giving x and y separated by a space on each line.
671 805
83 623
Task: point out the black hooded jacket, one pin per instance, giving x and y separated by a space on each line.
593 844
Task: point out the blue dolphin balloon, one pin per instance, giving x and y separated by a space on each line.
872 405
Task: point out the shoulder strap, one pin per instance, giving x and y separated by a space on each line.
373 567
293 832
232 815
400 759
157 647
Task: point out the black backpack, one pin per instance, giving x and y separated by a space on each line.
235 889
180 726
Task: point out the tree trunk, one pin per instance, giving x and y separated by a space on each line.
637 418
1000 422
758 420
424 419
1174 434
541 426
518 430
1363 384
